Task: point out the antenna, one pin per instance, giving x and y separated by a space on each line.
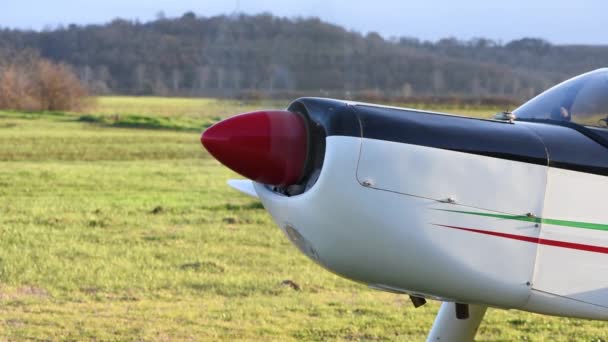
237 8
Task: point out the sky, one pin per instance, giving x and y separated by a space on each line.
558 21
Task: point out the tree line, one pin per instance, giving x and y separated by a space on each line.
264 55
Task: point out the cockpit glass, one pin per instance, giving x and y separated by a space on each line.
582 100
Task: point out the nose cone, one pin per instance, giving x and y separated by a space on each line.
268 147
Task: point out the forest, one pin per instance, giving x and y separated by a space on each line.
264 56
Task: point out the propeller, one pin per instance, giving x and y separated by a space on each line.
268 147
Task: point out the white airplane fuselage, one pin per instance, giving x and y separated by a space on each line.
476 213
453 226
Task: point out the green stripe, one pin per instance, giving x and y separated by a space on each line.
573 224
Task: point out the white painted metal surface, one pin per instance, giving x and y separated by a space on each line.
578 274
551 304
471 180
448 328
387 238
401 241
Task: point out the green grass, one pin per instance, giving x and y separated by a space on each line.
179 107
214 108
113 233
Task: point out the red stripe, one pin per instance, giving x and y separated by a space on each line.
555 243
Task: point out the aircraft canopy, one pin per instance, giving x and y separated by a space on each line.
582 100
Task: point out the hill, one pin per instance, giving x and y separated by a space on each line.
263 55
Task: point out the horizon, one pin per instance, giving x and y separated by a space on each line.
198 16
430 21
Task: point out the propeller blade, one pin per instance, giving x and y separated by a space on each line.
243 185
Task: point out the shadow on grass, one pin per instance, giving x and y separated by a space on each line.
146 122
118 121
234 290
235 207
31 115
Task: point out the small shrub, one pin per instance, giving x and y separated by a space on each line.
31 83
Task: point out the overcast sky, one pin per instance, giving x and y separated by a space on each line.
573 21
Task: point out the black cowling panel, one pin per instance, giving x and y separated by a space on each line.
572 150
483 137
331 117
324 117
530 142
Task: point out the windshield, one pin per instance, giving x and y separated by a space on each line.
582 100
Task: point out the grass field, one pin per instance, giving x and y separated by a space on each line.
116 225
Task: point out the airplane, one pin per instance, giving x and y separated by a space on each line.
504 212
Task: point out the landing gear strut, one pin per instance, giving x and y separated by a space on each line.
456 322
